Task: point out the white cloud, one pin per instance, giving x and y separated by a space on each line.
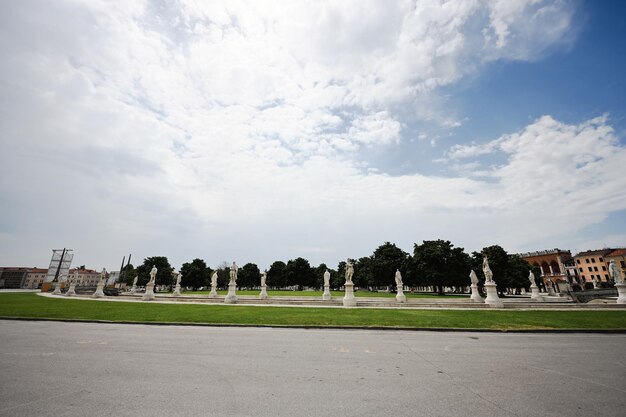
224 130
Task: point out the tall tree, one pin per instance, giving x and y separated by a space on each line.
223 274
298 272
440 264
249 276
276 275
509 271
164 271
195 274
384 262
319 275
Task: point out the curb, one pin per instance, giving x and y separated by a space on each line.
318 327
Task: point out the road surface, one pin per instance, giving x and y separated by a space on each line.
84 369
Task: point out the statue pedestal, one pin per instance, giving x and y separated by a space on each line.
57 288
326 295
400 297
149 295
348 299
231 297
133 289
534 294
263 295
213 293
99 291
475 297
72 290
621 293
176 292
550 288
492 295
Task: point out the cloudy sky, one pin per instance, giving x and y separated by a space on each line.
260 131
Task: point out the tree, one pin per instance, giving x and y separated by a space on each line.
298 272
318 272
195 274
276 275
509 271
440 264
383 263
223 274
518 272
164 271
249 276
128 274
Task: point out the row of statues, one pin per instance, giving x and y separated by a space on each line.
349 273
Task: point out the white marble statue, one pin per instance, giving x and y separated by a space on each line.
214 279
475 295
349 271
233 273
103 275
398 279
178 278
487 271
153 273
473 277
400 297
135 281
326 278
531 278
615 273
263 279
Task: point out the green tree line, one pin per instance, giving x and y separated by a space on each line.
435 264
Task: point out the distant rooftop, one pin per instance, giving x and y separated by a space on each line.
555 251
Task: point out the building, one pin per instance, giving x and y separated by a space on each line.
552 263
84 277
619 256
593 266
13 277
35 278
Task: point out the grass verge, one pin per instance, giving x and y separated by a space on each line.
28 305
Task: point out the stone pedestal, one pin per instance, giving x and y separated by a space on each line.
263 295
534 294
475 297
349 300
492 295
57 288
99 291
149 295
621 293
72 290
326 296
231 297
400 297
213 293
550 289
176 292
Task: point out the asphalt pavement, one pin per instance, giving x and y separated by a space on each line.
91 369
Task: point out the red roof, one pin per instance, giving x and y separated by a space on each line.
618 252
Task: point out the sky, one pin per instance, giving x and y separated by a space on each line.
256 131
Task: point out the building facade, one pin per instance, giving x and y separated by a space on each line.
552 263
35 278
13 277
593 266
84 277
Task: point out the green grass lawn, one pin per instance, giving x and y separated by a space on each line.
285 293
34 306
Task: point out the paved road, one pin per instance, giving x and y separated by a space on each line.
75 369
